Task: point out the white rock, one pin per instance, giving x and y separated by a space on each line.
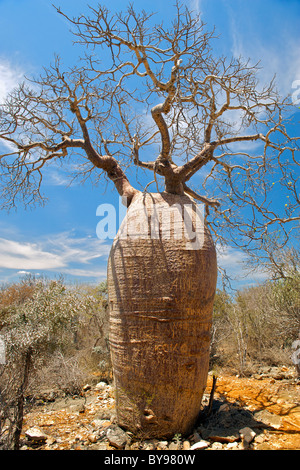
36 434
101 386
162 445
232 445
98 423
217 446
200 445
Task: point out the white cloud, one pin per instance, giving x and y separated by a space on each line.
16 255
80 250
10 76
230 259
57 178
195 5
233 260
278 53
285 64
95 273
61 253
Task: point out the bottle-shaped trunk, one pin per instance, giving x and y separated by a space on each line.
162 276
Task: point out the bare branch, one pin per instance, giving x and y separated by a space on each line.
205 200
159 91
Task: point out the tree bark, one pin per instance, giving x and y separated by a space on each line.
20 401
161 292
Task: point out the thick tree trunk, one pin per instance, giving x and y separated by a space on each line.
161 290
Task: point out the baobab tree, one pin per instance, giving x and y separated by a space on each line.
154 95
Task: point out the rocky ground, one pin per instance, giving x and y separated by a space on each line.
261 412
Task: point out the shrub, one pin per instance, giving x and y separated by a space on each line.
256 326
45 319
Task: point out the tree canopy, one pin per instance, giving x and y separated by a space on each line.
153 94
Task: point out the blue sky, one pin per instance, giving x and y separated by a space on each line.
60 238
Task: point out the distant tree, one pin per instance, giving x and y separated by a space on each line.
277 257
280 261
221 330
258 325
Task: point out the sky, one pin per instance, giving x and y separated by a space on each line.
61 237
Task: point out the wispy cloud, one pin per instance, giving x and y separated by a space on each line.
10 76
266 32
16 255
61 253
233 261
97 273
274 44
57 178
80 249
195 6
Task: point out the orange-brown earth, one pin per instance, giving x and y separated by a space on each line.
279 398
80 423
